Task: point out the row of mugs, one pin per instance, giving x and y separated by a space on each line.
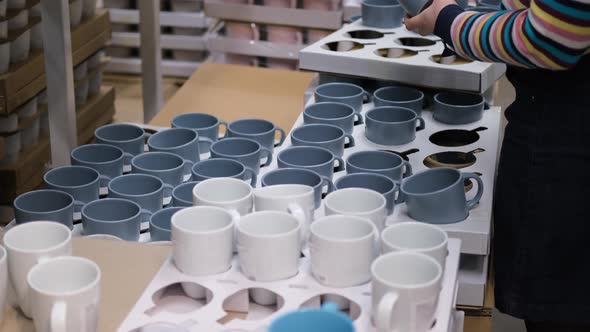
58 291
325 5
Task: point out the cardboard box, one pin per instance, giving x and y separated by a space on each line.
25 80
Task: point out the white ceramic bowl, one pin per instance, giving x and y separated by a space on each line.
88 9
9 123
20 47
30 134
81 92
4 57
37 36
19 21
75 13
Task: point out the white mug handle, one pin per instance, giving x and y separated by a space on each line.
384 311
235 215
57 321
297 211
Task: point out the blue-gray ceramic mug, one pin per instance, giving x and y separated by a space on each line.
160 224
458 107
380 162
262 131
245 150
377 182
223 168
400 96
384 14
182 195
181 142
47 204
108 160
392 125
164 165
79 181
206 125
337 114
437 195
323 135
129 138
346 93
319 160
144 189
113 216
413 7
300 176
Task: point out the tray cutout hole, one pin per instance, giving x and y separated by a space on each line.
453 159
456 137
395 53
252 304
345 305
415 42
343 46
165 327
180 298
453 60
364 34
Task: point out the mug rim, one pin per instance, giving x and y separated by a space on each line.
98 162
236 181
135 175
397 108
339 240
229 127
417 256
291 148
306 311
11 247
186 115
361 174
376 152
214 160
154 153
165 149
383 204
368 4
393 227
296 229
102 221
174 220
174 196
291 169
30 193
260 192
97 179
362 92
97 131
431 170
305 126
438 101
329 102
94 283
228 156
385 88
162 211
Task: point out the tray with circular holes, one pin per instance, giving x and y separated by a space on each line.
227 307
473 147
399 55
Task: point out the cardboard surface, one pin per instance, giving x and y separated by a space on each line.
127 268
233 92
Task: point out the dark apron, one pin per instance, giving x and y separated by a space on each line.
542 200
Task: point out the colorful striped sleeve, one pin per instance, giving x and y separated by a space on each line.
549 34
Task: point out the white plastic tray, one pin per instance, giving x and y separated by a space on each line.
417 70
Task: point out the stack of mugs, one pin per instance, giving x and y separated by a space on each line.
88 77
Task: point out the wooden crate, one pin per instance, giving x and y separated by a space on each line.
25 80
27 172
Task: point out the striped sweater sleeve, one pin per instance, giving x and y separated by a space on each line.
549 34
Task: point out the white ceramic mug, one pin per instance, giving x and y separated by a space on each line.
3 281
232 194
29 244
342 250
296 199
405 291
419 237
65 293
358 202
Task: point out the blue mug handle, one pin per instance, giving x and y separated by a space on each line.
282 138
168 188
340 166
367 96
350 143
329 183
253 176
127 158
359 119
409 170
219 124
145 215
472 203
78 206
422 124
104 180
268 155
205 140
400 196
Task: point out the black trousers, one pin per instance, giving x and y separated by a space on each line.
555 327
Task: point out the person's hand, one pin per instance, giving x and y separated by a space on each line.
424 22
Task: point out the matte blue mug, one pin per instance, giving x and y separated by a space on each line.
182 195
144 189
376 182
380 162
384 14
323 135
46 205
160 224
108 160
346 93
129 138
400 96
113 216
206 125
392 125
79 181
337 114
319 160
181 142
300 176
245 150
223 168
262 131
164 165
326 319
437 195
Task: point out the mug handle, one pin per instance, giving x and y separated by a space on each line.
297 211
329 183
57 321
205 140
472 203
127 158
104 180
368 97
384 310
235 217
359 119
78 206
222 123
145 215
340 166
422 124
283 137
400 197
350 143
253 176
168 190
408 171
269 155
